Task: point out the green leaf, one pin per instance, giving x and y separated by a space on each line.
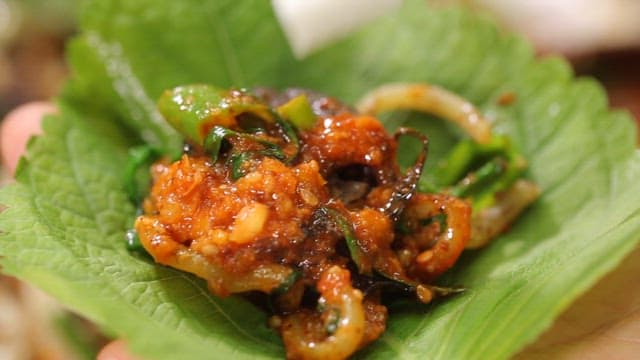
67 215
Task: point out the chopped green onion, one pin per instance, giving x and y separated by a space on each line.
136 183
288 282
213 143
474 182
424 292
346 228
292 137
194 109
466 155
477 171
298 111
133 241
237 161
333 321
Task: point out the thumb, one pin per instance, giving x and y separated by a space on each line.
16 129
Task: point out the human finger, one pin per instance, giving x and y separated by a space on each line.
115 350
17 127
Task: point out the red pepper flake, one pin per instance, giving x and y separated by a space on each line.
506 99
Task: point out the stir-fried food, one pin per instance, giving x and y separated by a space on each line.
296 196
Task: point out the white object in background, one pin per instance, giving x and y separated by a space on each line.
572 27
310 24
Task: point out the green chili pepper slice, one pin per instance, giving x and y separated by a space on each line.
194 110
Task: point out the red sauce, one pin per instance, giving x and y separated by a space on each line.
260 226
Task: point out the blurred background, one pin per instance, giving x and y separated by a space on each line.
601 38
32 36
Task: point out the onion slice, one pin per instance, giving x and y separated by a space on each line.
429 99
